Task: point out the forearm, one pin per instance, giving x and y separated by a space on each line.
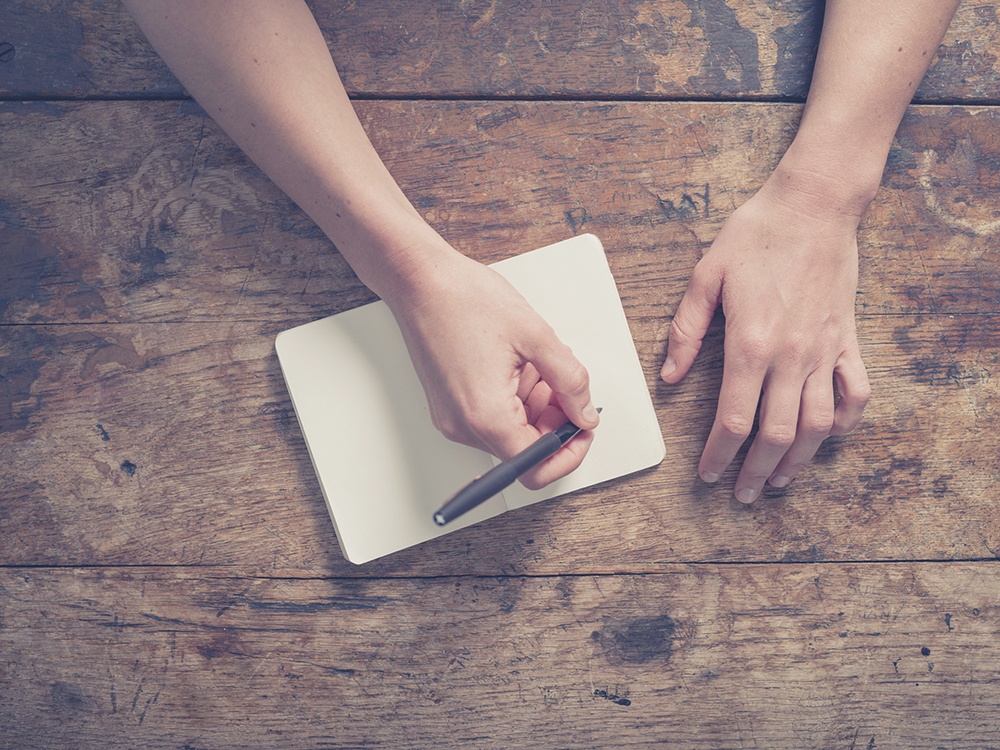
872 56
262 70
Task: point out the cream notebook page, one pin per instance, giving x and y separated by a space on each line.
383 467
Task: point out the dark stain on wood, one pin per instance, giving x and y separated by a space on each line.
732 64
960 61
797 44
639 640
42 45
576 218
29 263
37 273
345 603
147 260
612 696
67 697
495 119
108 349
687 206
18 373
220 644
811 554
280 412
128 467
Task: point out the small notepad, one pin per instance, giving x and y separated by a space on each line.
383 467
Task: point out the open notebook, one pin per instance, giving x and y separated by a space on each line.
383 467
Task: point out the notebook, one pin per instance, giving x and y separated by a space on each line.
383 467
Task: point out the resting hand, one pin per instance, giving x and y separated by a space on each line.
495 374
785 270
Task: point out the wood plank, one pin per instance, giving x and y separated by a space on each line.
175 443
713 657
631 48
172 223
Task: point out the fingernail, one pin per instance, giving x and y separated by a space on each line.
668 367
779 481
590 413
710 476
746 495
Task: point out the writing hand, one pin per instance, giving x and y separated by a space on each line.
784 269
495 375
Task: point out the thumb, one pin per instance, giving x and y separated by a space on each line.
568 379
691 321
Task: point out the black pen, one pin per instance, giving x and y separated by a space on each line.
504 474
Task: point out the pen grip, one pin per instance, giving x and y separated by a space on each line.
547 445
498 478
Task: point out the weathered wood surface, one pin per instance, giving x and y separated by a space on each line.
700 49
706 657
138 212
175 444
168 573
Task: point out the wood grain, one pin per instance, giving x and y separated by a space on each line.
704 657
172 223
168 573
702 49
175 444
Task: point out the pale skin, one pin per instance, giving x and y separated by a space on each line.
495 374
784 267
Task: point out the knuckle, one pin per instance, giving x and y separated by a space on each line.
818 423
735 426
753 348
453 429
799 347
704 274
577 380
677 335
777 436
449 428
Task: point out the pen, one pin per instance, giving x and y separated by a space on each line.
504 474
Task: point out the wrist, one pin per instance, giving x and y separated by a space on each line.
400 258
820 184
830 178
381 235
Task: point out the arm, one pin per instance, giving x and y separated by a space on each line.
785 265
494 373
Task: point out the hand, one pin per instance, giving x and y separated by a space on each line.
495 375
785 269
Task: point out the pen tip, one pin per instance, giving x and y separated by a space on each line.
439 519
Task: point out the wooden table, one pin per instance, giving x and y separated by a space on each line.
168 573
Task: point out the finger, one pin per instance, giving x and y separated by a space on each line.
854 388
567 377
538 401
527 382
815 423
779 416
691 321
738 398
566 460
509 442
